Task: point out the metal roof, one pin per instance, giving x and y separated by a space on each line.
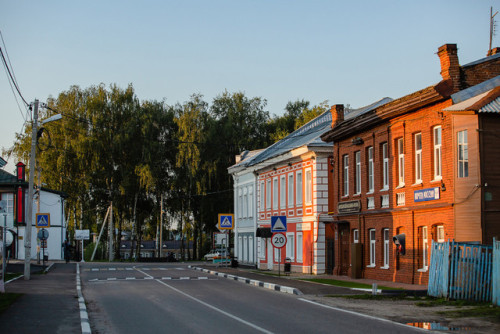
476 90
309 134
493 106
482 60
2 162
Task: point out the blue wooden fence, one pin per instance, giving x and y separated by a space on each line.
461 271
495 288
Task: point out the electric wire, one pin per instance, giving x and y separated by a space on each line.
11 77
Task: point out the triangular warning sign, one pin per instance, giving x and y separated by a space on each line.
226 222
278 225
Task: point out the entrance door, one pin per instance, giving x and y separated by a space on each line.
330 258
269 254
344 249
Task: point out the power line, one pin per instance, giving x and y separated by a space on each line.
12 77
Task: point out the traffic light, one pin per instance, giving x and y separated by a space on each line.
399 241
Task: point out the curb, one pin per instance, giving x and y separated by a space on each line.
270 286
84 317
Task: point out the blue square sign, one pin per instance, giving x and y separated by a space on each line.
278 224
43 220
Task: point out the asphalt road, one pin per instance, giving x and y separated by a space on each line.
171 298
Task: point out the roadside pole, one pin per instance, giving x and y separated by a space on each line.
29 218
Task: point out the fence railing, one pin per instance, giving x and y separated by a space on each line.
461 271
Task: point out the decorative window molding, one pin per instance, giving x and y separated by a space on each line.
437 153
371 175
418 158
463 154
345 160
385 166
401 199
370 203
357 183
401 162
385 200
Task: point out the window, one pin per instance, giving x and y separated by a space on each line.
346 175
308 186
385 166
440 233
283 191
240 203
425 243
437 153
299 247
299 188
275 193
463 154
401 162
245 202
371 233
262 248
277 255
9 199
355 236
357 158
250 201
250 250
371 176
290 246
268 195
290 189
240 248
418 158
386 247
262 196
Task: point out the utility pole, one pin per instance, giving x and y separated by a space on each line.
110 233
161 224
29 218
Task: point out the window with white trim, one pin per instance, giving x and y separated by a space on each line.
357 185
250 201
282 191
299 247
250 250
262 196
346 174
401 162
440 233
385 232
418 157
290 246
245 202
240 203
355 236
299 188
437 153
371 176
463 154
425 246
277 255
385 166
268 194
371 234
275 193
262 248
290 190
308 186
9 200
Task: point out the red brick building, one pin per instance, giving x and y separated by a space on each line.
409 169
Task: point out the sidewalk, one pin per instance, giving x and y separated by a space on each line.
49 303
294 281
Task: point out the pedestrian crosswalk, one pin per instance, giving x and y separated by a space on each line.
165 278
130 268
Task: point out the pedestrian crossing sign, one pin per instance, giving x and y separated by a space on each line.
226 221
278 224
43 220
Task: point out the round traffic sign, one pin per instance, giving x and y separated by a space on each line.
43 234
278 240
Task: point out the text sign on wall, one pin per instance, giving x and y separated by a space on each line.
349 206
428 194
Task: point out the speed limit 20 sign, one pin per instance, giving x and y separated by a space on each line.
279 240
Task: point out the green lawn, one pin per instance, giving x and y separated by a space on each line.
9 276
6 299
346 284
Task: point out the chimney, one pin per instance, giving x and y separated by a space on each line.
337 111
450 67
493 51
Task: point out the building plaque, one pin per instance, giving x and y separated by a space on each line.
349 206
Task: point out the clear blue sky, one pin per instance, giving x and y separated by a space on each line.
350 52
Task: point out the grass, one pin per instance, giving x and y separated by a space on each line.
9 276
400 296
267 273
345 284
6 299
484 310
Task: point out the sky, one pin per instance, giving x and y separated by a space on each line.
343 52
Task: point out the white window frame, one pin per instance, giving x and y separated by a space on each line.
250 201
345 160
262 196
240 203
290 246
250 249
245 202
308 186
437 131
425 248
357 160
418 158
299 247
277 254
373 238
275 193
462 154
262 248
371 175
9 200
283 191
299 188
385 166
355 236
385 234
440 233
268 194
290 190
401 162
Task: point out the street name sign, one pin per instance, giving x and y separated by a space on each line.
278 240
278 224
43 220
226 221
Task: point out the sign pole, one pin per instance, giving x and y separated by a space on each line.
279 262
